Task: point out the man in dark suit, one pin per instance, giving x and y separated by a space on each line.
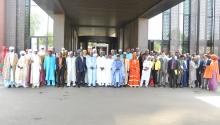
199 71
80 69
172 70
61 68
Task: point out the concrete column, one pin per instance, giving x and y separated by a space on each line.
15 24
194 26
131 35
10 24
20 25
202 27
120 36
2 22
175 43
143 33
217 28
59 28
75 39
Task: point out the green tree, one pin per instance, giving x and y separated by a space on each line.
34 23
42 41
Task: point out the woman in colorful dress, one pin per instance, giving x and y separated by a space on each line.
134 76
212 73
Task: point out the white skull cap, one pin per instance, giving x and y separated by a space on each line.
42 47
11 48
63 49
29 50
35 50
22 52
93 50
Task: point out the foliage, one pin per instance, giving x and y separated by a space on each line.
34 23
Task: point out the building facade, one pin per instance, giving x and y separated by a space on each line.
192 26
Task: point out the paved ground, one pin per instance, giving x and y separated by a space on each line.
107 106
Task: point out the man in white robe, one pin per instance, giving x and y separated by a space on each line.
91 69
28 58
71 69
35 69
108 68
101 69
9 67
21 71
146 72
42 55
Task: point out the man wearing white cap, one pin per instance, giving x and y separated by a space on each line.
101 69
35 70
108 68
42 54
21 71
9 67
71 69
28 58
146 71
121 54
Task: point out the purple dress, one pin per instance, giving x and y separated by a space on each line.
213 82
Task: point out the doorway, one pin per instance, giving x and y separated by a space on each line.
98 42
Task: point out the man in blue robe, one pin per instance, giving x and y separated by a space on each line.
118 74
91 70
50 68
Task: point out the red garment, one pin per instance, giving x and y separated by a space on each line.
151 82
3 54
42 77
134 76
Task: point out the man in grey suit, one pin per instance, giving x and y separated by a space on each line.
163 70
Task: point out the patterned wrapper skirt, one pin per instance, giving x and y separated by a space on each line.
213 82
42 77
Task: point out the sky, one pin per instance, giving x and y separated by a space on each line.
155 28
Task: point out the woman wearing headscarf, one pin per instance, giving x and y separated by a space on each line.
212 73
134 75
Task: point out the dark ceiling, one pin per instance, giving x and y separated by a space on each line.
106 13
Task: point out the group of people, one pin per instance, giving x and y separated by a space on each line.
92 68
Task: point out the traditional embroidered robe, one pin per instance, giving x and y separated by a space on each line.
35 70
9 68
21 72
71 70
